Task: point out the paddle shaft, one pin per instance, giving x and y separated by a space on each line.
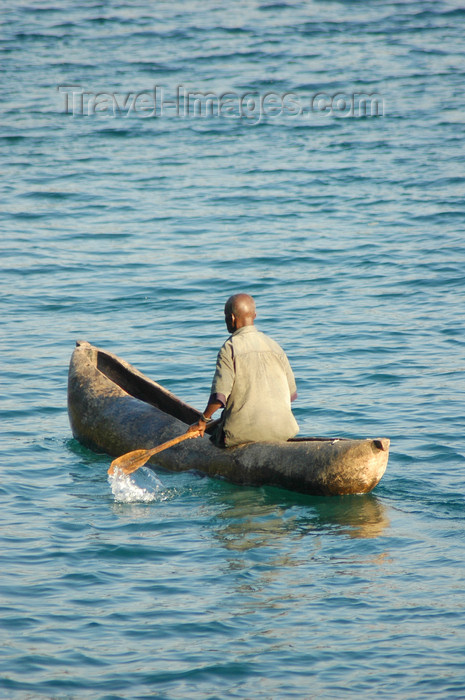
131 461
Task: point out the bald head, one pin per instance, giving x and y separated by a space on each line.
241 305
239 311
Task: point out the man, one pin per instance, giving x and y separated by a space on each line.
253 382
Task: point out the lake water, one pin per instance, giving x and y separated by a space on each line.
158 157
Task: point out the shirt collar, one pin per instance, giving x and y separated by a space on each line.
245 329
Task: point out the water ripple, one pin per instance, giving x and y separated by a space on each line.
131 232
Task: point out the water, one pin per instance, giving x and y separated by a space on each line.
129 226
141 487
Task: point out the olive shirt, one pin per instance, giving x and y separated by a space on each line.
255 383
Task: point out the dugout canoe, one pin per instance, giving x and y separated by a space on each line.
114 408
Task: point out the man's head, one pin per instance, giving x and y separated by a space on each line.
239 311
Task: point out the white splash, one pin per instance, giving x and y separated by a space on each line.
140 486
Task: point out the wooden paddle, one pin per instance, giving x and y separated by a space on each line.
131 461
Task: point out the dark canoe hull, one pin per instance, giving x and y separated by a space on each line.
114 408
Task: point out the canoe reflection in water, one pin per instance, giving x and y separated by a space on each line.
252 521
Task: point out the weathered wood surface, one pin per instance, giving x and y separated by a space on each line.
114 408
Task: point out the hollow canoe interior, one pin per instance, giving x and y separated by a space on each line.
144 389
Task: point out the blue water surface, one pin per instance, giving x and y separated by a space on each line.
158 157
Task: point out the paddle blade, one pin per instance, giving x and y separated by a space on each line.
131 461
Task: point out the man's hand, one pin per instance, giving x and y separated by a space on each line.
205 418
198 427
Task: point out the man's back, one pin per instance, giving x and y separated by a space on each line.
254 375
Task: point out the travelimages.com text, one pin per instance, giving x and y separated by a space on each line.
187 104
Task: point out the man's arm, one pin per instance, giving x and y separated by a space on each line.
290 378
221 388
201 424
